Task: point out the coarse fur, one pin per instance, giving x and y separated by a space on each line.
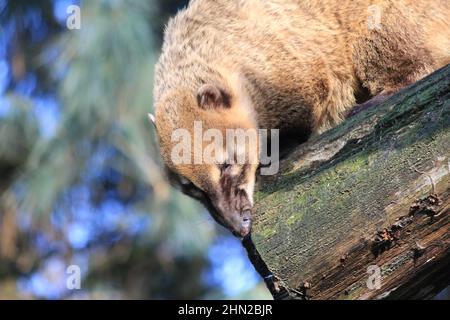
294 65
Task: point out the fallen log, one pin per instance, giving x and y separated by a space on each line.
362 211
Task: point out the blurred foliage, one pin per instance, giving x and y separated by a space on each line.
80 177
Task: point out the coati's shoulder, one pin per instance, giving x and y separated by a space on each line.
183 60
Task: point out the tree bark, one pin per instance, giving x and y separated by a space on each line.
371 195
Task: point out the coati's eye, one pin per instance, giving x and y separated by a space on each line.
187 187
184 181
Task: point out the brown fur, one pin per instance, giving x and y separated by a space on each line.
295 65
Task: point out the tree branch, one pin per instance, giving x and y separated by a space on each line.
374 191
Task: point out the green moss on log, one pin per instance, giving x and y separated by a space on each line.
314 211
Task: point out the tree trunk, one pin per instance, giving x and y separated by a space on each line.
369 197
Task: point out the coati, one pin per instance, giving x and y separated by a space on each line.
295 65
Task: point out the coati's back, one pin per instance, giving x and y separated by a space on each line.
300 53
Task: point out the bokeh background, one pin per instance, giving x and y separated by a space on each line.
80 175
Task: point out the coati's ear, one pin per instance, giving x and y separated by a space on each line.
151 118
209 97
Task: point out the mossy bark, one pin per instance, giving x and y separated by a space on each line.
374 191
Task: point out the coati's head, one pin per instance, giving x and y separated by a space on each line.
194 130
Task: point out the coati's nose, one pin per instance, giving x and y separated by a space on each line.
246 225
242 224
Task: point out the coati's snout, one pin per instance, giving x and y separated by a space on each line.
237 218
232 199
227 193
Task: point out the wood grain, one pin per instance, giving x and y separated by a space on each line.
372 191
